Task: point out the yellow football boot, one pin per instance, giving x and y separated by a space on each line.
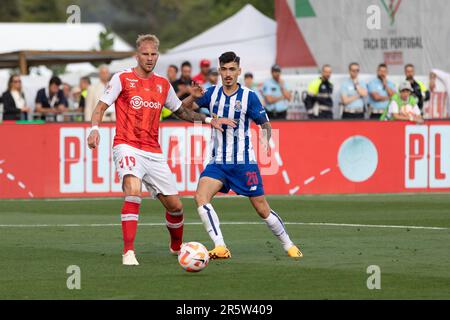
295 252
220 253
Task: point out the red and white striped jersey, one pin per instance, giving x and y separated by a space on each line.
138 104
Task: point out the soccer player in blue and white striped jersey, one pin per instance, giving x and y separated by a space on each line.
233 163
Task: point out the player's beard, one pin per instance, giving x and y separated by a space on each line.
229 83
148 68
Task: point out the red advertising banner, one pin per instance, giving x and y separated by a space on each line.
53 160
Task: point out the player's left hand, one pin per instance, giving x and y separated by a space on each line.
218 122
265 144
196 90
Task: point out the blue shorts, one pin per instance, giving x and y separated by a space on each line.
244 179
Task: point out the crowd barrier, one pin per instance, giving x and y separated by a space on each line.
340 157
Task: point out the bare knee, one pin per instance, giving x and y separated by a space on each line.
261 206
132 186
176 206
201 199
171 203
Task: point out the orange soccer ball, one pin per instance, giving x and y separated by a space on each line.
193 257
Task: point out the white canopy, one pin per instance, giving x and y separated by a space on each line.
249 33
57 36
54 36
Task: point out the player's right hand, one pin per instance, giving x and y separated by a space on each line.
93 139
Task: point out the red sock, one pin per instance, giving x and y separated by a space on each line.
174 222
130 216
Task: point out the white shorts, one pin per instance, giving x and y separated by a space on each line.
151 168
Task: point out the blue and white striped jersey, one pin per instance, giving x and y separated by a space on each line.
234 145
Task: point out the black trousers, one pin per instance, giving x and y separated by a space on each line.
347 115
277 115
375 116
322 115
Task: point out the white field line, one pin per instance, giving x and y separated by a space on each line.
320 224
283 197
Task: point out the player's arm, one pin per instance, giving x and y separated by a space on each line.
259 116
266 136
111 94
185 112
97 116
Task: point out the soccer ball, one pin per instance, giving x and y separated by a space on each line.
193 257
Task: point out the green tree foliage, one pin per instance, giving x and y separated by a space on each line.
106 40
9 10
42 11
174 21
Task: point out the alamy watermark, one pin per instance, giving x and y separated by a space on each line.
74 13
74 280
373 17
374 280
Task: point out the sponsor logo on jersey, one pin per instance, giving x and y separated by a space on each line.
132 82
137 103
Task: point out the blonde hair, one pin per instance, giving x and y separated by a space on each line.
147 37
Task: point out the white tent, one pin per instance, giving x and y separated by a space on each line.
52 36
249 33
56 36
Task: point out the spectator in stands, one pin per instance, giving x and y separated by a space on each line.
213 78
14 104
95 92
51 100
277 95
75 97
181 86
420 91
67 89
319 98
403 105
432 77
380 92
85 83
172 73
353 94
202 77
249 83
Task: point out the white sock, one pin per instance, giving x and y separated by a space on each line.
276 225
212 224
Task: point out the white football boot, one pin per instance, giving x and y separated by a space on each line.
129 259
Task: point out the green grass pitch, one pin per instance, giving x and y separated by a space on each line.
40 239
